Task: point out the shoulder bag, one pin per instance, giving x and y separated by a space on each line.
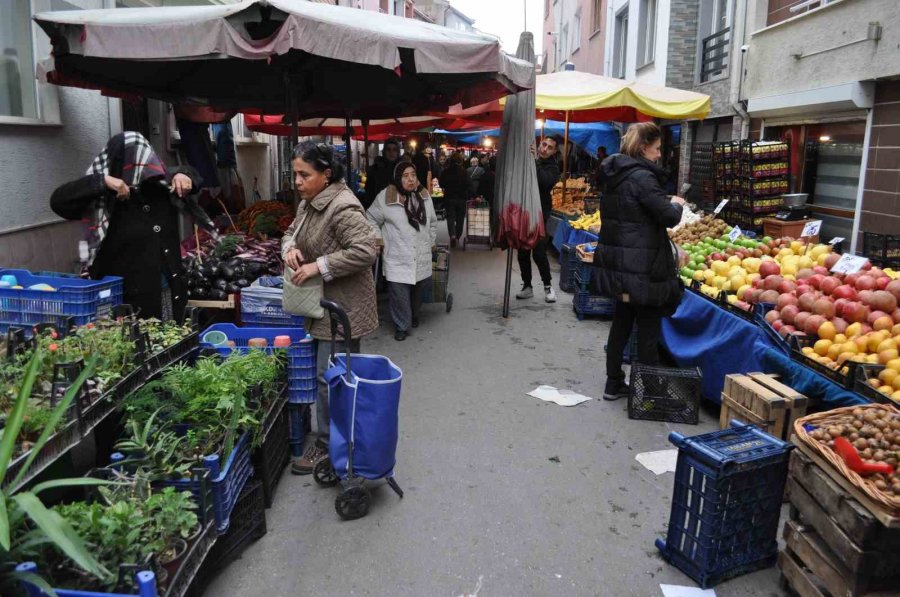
303 299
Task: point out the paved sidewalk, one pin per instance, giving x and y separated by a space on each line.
503 492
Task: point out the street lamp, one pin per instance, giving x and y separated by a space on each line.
487 143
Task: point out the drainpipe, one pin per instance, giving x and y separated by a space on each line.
862 180
740 27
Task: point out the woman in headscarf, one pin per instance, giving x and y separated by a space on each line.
404 216
131 201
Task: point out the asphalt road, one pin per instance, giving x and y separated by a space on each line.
505 494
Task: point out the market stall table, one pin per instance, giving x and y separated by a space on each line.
565 234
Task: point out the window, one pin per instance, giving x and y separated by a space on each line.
647 33
576 31
714 36
597 16
18 93
620 44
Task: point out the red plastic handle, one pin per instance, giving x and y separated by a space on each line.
846 451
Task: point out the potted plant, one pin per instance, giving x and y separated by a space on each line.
174 521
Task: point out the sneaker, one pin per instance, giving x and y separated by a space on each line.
551 294
615 389
306 463
527 292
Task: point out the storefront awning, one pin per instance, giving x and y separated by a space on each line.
858 95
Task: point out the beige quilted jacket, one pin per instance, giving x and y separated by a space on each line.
334 231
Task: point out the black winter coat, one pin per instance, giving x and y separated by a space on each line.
142 242
454 183
634 258
379 175
547 177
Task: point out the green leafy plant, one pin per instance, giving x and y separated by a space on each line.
172 514
24 520
157 452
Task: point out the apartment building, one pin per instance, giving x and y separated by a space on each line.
575 33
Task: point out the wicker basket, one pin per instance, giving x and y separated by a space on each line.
833 416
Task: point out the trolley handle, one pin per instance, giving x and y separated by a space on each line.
338 316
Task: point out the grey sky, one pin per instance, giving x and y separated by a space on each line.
504 18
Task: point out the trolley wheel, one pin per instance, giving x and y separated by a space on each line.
353 502
324 475
449 301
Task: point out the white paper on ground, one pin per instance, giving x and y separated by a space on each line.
659 462
679 591
560 397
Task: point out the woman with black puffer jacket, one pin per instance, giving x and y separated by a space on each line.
636 263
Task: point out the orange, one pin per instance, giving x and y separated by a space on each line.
886 345
887 375
827 331
833 351
886 356
893 364
862 344
896 383
876 383
896 397
854 329
886 390
821 347
849 347
839 338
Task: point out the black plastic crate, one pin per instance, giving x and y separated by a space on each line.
248 525
272 456
664 394
882 249
568 265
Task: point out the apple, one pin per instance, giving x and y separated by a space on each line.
882 323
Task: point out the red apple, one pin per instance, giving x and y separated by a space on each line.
789 313
769 268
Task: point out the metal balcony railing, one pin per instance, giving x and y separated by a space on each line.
714 58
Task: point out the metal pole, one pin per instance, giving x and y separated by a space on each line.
366 142
565 175
509 257
349 151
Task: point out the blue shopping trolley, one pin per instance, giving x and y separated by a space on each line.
364 398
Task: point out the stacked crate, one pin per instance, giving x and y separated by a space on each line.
761 400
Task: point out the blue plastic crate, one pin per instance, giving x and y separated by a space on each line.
144 580
227 481
301 355
729 487
82 300
261 305
586 303
568 263
583 273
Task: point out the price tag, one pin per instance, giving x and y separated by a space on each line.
720 206
836 240
811 228
849 264
734 234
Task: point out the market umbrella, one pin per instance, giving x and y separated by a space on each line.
277 57
281 125
520 221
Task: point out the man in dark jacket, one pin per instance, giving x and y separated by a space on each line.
635 261
547 176
381 172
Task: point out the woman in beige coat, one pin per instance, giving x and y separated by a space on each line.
331 238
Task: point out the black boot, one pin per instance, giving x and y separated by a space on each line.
615 389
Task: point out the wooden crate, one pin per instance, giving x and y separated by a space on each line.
833 545
763 401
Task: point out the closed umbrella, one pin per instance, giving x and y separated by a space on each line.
520 221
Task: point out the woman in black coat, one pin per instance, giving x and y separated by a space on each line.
455 184
134 227
635 261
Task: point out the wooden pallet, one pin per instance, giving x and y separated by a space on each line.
886 517
761 400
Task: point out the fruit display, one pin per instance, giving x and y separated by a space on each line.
572 204
694 232
590 222
688 216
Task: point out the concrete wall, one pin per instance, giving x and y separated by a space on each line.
772 70
881 194
682 46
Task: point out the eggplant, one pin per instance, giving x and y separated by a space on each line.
233 263
219 284
232 288
255 269
225 271
243 282
206 271
218 295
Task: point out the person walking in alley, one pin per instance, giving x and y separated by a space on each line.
330 238
455 185
474 173
404 216
547 176
381 172
636 263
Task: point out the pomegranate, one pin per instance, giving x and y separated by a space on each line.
894 288
811 326
831 260
805 273
800 319
773 315
787 286
844 291
784 300
855 312
850 279
896 315
883 301
787 330
823 307
865 297
821 270
882 282
807 301
840 326
777 324
839 305
789 313
769 268
772 282
828 284
866 283
769 296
